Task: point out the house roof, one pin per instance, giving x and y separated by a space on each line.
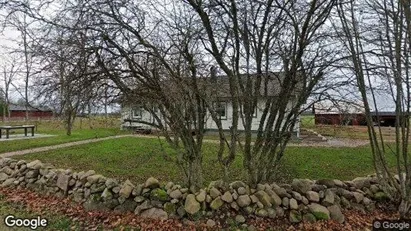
270 86
328 107
218 86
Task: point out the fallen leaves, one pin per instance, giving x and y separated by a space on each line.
92 220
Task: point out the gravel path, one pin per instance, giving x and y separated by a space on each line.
333 142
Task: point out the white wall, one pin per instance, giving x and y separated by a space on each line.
210 124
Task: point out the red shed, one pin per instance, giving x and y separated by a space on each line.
17 112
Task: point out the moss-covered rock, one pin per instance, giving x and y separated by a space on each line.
191 205
216 203
170 208
381 196
309 217
320 212
261 212
295 216
159 194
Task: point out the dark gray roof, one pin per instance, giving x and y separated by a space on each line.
384 113
271 84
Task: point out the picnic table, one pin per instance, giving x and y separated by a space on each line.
8 128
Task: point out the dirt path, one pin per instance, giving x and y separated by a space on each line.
58 146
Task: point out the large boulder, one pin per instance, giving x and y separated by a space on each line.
94 178
293 204
309 217
327 182
191 205
176 194
127 206
237 184
313 196
3 176
8 182
302 185
126 189
275 199
361 182
201 196
328 198
155 213
320 212
214 192
261 212
297 195
7 170
227 197
216 203
336 214
35 165
243 200
358 197
264 198
144 206
63 181
152 183
280 191
295 216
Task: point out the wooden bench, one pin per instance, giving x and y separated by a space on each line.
8 128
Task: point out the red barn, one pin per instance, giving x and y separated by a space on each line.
19 112
340 119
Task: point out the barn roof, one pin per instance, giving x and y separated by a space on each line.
14 107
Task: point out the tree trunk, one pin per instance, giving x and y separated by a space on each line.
404 208
69 120
69 127
195 172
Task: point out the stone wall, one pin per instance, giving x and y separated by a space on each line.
301 200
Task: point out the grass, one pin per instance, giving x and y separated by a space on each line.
83 129
307 121
139 158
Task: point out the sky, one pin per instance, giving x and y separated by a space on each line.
9 38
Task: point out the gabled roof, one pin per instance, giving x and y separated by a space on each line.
218 86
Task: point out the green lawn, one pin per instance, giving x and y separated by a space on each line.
139 158
307 121
83 129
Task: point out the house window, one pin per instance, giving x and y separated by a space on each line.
254 114
137 112
221 109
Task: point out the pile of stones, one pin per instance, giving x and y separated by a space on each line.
303 199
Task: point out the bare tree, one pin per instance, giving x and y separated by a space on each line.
379 59
19 21
159 67
273 53
9 74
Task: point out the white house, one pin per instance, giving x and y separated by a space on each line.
133 115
